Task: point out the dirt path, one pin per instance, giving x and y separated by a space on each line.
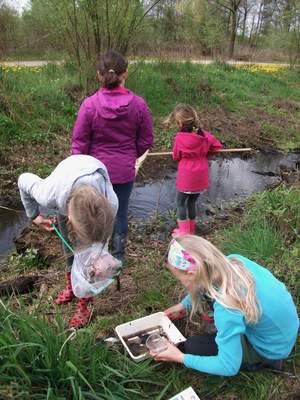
41 63
28 63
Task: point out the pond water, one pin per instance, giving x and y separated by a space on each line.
231 180
11 223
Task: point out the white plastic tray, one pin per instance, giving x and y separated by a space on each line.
147 325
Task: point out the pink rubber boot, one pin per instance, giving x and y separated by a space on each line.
184 228
67 294
192 226
82 316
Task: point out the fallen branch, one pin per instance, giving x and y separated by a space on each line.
140 161
22 284
10 209
217 151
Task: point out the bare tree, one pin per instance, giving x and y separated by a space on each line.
232 8
10 33
83 29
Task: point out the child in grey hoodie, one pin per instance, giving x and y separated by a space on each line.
81 194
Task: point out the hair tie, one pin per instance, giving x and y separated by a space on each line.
111 70
180 258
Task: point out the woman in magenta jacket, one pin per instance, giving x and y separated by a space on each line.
114 125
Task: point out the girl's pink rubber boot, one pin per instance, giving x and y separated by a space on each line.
184 228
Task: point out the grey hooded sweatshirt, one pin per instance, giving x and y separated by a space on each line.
53 192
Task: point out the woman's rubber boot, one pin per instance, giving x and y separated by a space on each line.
67 294
184 228
82 316
192 226
118 245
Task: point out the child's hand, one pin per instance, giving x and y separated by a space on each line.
172 354
43 222
178 309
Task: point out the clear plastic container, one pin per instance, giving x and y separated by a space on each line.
209 322
156 343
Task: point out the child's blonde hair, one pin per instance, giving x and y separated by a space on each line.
184 115
91 215
224 280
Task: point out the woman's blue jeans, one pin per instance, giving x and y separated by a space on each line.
123 192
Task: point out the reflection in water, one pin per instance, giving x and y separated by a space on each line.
231 179
11 222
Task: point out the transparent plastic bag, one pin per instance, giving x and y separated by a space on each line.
93 270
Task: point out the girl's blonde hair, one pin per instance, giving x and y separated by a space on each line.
224 280
184 115
91 215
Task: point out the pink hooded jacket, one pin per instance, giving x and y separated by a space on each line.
115 127
191 151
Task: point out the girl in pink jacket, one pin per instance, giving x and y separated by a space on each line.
192 146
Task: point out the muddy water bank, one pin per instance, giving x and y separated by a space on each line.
232 180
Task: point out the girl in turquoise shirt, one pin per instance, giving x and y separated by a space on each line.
255 316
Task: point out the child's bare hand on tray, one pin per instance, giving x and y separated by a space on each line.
172 354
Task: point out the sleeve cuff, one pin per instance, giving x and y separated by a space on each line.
33 218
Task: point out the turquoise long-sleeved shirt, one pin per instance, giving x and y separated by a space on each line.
273 336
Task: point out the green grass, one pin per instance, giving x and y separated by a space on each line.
35 105
39 361
258 241
39 105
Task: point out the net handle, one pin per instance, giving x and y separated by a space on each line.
59 235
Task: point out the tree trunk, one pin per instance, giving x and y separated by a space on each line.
234 8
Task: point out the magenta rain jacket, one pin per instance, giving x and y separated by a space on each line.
115 127
191 151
